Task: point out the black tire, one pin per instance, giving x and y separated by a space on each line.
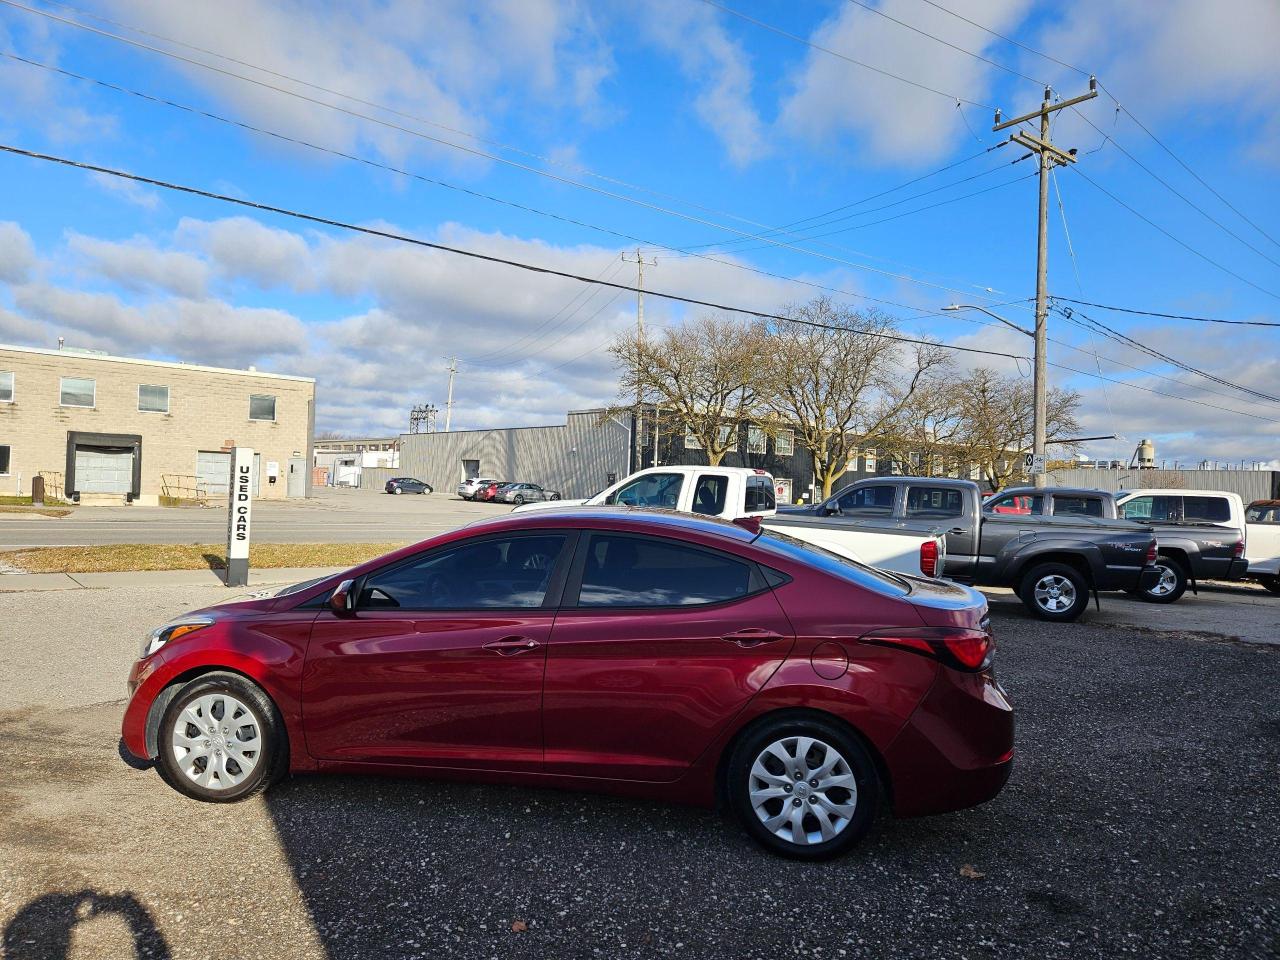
519 499
1172 584
1067 604
555 496
738 779
1272 584
397 490
272 758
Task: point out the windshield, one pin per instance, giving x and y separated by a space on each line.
833 563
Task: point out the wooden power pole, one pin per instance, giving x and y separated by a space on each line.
1050 157
637 451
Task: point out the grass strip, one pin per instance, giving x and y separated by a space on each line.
123 557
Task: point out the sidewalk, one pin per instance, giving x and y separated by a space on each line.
25 582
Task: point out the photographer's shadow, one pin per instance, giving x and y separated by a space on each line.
43 929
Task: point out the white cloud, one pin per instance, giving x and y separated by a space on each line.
244 249
128 190
17 255
138 264
891 120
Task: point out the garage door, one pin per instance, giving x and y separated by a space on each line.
104 469
213 472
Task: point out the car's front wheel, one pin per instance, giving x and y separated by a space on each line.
803 787
221 739
1171 585
1055 591
397 490
518 499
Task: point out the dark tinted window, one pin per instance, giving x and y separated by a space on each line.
1206 509
759 494
1078 506
623 571
511 572
651 490
934 502
1150 508
870 501
1016 504
710 494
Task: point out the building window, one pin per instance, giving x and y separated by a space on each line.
153 398
690 441
78 392
871 459
784 444
6 388
728 437
913 458
262 407
4 460
975 472
755 440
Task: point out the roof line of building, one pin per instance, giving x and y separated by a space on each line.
172 364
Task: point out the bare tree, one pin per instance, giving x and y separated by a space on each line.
841 380
705 374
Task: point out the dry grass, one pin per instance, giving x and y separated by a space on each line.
39 511
121 557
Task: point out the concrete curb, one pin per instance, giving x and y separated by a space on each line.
30 582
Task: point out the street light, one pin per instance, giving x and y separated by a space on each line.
1038 388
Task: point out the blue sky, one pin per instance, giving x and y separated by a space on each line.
699 123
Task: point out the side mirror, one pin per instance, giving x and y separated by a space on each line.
830 510
341 601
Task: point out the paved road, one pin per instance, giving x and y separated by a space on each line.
1140 821
347 516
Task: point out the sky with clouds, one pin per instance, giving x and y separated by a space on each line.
563 133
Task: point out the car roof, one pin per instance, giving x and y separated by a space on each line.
617 518
1090 491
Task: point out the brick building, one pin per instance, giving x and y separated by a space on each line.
116 429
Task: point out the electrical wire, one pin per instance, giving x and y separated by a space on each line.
1001 36
1169 316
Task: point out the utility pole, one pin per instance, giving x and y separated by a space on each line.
448 404
1050 157
640 262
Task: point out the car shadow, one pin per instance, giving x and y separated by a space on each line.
45 927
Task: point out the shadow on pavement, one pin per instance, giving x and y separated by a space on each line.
43 929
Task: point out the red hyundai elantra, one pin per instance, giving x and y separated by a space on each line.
653 654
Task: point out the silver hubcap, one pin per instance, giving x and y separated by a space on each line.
217 741
1167 582
802 790
1055 593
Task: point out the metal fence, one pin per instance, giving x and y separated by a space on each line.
1250 484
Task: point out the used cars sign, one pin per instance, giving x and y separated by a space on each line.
239 516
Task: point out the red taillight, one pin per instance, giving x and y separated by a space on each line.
958 647
1151 553
929 558
1238 550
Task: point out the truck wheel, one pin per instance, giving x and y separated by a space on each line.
1172 583
1055 591
1271 583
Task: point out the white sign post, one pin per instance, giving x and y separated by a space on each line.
1033 464
239 516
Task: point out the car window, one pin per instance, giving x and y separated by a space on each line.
651 490
493 573
623 571
882 581
1206 509
934 502
1016 504
1150 508
1263 514
875 500
710 494
1072 505
759 495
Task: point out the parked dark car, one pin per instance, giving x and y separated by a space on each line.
519 493
666 656
408 485
1052 561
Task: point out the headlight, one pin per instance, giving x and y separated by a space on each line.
172 631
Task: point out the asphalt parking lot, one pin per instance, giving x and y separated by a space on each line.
1140 821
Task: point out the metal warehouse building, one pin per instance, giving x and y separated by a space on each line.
110 429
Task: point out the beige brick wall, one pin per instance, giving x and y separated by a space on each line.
208 410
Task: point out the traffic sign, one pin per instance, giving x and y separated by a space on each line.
1033 464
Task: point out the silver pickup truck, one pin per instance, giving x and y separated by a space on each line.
1052 560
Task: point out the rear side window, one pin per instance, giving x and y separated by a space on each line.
1017 505
875 500
1150 508
1263 514
498 573
759 495
1077 506
1206 509
623 571
710 494
934 502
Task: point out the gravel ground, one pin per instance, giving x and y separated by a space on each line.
1140 821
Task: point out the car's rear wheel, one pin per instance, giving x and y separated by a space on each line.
803 787
555 496
221 739
397 490
518 499
1171 585
1055 591
1271 583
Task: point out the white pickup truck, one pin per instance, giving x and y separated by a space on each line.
1262 542
735 492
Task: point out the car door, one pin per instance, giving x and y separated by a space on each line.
441 661
933 503
660 643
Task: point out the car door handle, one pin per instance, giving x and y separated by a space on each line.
752 637
510 646
958 530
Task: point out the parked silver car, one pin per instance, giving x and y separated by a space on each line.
519 493
467 489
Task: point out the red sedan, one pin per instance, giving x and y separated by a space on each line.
652 654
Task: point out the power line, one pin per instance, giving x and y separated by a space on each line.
827 50
1179 242
1169 316
1001 36
463 252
